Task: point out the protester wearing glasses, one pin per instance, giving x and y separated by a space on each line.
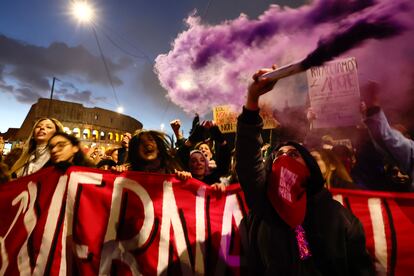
294 226
65 150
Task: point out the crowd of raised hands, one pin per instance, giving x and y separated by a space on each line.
380 158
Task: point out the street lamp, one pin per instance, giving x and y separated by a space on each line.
120 109
51 96
82 11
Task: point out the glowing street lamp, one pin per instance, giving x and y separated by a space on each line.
82 11
120 109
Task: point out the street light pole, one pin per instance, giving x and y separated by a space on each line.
51 97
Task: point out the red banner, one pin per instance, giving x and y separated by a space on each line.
130 223
388 220
92 222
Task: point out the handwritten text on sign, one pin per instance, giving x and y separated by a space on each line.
334 93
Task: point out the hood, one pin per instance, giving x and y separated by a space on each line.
316 181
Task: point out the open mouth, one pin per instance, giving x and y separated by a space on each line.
149 151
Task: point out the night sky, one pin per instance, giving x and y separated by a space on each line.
40 39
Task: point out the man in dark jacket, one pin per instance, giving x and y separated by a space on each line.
295 227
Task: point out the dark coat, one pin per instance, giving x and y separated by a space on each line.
336 237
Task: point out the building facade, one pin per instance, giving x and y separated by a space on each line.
93 126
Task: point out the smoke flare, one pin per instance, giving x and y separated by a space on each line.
338 43
211 65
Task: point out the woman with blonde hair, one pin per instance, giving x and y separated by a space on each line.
333 170
35 154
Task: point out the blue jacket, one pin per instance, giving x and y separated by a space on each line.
392 141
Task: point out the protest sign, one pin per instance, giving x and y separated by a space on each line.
226 118
334 93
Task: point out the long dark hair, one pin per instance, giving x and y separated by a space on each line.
79 158
168 162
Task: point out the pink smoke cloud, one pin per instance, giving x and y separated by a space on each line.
212 65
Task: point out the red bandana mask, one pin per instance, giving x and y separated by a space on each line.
286 189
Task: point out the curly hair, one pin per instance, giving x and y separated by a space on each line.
168 162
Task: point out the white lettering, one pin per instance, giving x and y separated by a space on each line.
170 218
231 210
287 180
75 178
120 250
200 230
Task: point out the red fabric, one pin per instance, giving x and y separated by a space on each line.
286 189
42 214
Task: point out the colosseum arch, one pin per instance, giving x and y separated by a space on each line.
76 118
67 130
110 136
95 134
117 137
102 136
76 132
86 134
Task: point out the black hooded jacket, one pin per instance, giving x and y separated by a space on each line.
336 237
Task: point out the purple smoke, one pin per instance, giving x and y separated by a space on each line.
350 37
212 65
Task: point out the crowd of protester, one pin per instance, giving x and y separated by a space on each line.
377 156
281 237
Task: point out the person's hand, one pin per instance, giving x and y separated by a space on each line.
369 93
183 175
175 125
219 189
259 87
198 134
196 121
216 134
121 168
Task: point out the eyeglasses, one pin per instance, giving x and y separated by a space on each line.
58 145
293 153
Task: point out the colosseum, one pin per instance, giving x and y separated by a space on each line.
94 126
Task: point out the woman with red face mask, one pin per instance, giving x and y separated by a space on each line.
294 225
